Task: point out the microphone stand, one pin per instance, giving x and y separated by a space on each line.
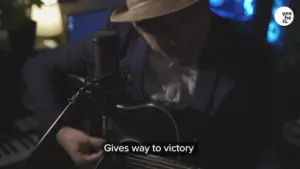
101 85
96 84
89 86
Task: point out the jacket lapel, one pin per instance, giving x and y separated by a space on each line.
211 88
223 88
134 62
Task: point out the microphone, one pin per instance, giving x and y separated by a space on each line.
106 48
106 44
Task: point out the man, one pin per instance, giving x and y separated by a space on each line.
190 64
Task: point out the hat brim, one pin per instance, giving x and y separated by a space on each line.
149 11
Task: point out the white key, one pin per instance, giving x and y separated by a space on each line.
2 154
35 138
31 122
22 154
26 124
7 157
8 148
26 141
21 125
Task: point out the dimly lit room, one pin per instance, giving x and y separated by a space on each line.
52 90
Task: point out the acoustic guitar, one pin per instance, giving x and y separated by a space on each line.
139 124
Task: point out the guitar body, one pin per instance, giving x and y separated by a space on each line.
140 123
147 123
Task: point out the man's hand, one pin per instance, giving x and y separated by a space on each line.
291 132
77 144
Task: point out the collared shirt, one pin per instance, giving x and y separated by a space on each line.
169 83
178 87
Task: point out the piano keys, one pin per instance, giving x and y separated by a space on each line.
17 150
17 141
26 124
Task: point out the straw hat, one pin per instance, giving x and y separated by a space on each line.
137 10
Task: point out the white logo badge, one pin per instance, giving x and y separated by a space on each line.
284 16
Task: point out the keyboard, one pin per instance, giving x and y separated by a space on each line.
17 141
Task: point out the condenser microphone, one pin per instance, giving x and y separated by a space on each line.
106 44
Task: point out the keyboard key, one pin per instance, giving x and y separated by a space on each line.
5 148
21 125
1 154
34 138
32 123
11 158
19 146
12 147
31 141
26 124
26 143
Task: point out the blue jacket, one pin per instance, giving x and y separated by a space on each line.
240 116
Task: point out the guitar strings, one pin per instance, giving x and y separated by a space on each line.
133 165
142 161
98 163
162 110
151 161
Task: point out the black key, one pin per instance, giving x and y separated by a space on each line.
5 150
30 140
25 143
13 148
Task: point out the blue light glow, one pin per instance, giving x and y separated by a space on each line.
243 10
216 3
275 32
239 10
249 7
70 23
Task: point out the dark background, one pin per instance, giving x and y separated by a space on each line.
286 52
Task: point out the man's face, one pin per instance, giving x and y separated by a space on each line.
177 34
